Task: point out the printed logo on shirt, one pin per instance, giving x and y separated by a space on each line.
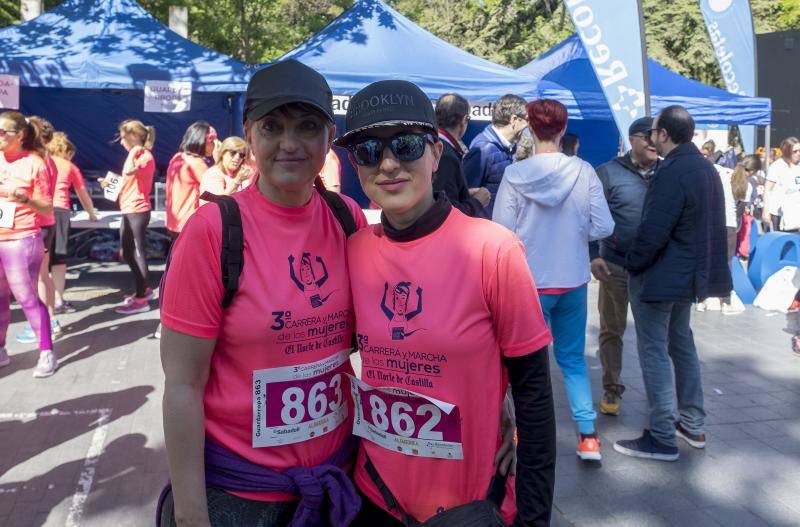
398 314
307 282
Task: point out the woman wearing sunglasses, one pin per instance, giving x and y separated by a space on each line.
230 173
429 400
24 195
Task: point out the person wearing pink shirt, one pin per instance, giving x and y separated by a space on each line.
69 176
446 315
134 204
185 173
257 412
24 196
230 173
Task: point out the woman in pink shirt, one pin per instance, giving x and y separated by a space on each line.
134 203
24 195
230 173
69 176
446 315
184 174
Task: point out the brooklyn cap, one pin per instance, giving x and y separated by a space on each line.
285 82
387 103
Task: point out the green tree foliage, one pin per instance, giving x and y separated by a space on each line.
509 32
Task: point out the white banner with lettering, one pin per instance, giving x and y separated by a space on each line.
479 110
9 92
167 96
612 31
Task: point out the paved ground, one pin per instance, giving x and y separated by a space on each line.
85 447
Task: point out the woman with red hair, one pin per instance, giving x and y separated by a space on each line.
556 205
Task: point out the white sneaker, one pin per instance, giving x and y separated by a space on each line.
713 304
47 365
731 309
700 307
5 360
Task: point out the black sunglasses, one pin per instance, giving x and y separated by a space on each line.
405 146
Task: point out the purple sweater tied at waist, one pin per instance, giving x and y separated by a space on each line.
316 486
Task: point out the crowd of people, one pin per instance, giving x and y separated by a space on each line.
480 264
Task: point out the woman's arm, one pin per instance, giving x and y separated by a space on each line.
768 187
86 201
41 206
186 361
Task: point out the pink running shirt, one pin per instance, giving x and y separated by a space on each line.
52 174
435 316
293 308
134 196
68 176
27 172
184 173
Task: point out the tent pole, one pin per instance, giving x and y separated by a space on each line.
767 146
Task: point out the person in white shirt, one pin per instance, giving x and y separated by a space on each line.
783 178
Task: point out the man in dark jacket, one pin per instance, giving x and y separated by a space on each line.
679 256
452 118
492 150
624 180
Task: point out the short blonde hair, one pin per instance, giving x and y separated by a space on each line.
61 146
230 144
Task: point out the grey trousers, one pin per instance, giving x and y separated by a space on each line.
227 510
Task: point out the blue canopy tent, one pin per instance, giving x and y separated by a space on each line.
567 65
371 41
83 65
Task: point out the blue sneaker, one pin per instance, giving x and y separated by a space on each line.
647 447
27 336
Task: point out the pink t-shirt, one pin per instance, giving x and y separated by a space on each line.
293 308
68 176
27 172
134 196
435 316
46 220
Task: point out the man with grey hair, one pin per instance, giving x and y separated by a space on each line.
493 149
452 118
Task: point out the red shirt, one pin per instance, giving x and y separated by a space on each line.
184 174
68 176
134 196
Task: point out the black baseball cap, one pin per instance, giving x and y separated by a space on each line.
387 103
642 125
285 82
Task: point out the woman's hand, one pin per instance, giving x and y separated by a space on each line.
103 182
506 457
19 195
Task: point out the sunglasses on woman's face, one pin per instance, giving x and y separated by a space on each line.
240 155
405 146
4 133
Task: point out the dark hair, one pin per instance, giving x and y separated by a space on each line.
786 147
547 118
31 131
194 139
451 109
678 124
506 107
569 144
739 176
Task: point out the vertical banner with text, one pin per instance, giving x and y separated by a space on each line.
9 92
730 27
612 31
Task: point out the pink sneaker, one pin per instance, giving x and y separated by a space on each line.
148 296
136 305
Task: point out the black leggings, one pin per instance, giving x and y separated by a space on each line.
133 240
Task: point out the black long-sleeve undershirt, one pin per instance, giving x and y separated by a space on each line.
536 433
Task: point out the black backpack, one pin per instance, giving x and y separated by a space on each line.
232 254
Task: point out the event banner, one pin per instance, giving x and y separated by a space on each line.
730 27
612 32
9 92
167 96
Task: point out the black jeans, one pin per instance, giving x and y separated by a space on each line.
371 515
227 510
133 239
